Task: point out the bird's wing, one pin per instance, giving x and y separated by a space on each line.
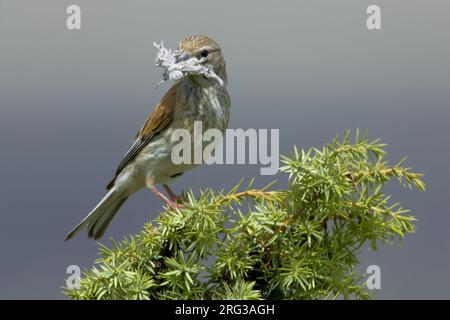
161 116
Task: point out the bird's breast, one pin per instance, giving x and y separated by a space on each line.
208 104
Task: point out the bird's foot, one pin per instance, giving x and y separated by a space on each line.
173 205
176 198
170 202
172 196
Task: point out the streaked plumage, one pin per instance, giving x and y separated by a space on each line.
148 160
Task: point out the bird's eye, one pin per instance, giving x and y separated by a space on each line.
204 53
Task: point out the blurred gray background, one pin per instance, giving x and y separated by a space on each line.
71 102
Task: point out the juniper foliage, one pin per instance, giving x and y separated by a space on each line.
301 242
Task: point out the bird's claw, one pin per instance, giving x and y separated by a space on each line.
176 198
173 205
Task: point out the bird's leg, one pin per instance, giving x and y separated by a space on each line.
169 202
172 196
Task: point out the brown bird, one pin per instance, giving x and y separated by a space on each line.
148 161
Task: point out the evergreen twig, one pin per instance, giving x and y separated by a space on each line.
301 242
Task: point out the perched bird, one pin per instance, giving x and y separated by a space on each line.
148 161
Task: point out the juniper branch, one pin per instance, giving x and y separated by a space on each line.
301 242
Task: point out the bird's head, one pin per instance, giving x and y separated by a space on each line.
206 50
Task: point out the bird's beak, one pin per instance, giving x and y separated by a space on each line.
183 56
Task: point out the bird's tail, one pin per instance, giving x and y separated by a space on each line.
97 221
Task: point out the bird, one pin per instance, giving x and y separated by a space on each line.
148 163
